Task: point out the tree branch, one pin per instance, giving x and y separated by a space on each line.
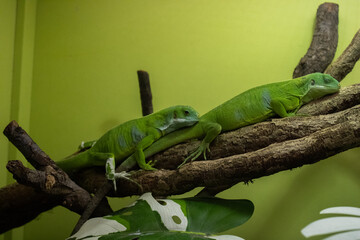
323 46
19 204
347 60
54 184
316 138
245 167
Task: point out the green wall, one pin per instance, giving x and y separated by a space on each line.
7 33
75 62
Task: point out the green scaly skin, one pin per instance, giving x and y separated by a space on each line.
252 106
130 138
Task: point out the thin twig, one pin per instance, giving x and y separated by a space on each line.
145 92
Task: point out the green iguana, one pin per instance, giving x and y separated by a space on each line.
252 106
130 138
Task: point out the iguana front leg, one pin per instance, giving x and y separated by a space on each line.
280 106
139 151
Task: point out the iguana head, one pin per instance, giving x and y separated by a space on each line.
319 85
178 117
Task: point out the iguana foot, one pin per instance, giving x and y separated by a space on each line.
111 175
110 171
152 163
147 167
193 156
126 175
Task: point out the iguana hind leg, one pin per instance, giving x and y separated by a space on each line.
107 159
113 176
212 130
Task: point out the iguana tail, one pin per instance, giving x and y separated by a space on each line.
74 162
174 138
165 142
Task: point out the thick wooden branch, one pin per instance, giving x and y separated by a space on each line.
325 136
324 43
245 167
347 60
47 178
19 204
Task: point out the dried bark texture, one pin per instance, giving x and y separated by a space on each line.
145 93
347 60
47 178
323 46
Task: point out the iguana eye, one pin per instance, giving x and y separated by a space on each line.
312 82
186 112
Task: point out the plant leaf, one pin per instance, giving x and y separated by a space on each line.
171 235
215 215
331 225
352 235
342 210
180 219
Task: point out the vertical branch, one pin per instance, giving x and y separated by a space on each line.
145 92
324 43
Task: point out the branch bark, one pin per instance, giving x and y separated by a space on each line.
323 46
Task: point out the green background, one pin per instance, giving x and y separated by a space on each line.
68 73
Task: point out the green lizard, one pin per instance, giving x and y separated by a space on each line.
131 137
252 106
